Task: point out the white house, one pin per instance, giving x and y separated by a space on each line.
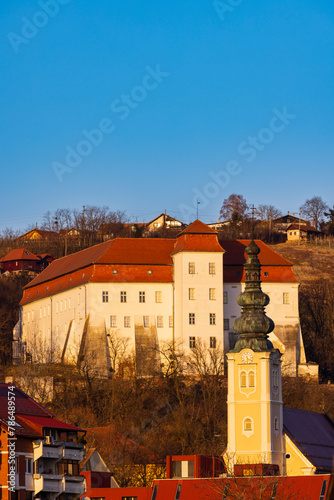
148 292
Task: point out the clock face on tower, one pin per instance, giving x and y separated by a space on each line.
247 357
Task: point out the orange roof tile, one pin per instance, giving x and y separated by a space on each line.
235 253
19 254
150 261
198 227
197 243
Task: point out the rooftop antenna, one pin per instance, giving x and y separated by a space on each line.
198 203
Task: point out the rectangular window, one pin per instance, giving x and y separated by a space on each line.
146 321
226 324
191 318
158 297
113 322
212 294
212 318
225 297
160 321
213 342
191 293
141 296
192 342
29 465
65 304
170 322
212 268
61 306
286 298
105 297
127 323
56 307
123 296
69 303
191 267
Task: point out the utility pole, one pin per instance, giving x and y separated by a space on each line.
270 221
300 214
198 203
252 209
83 224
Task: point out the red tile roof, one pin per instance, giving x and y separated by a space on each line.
19 254
278 268
197 243
250 488
313 433
41 422
235 253
198 227
125 260
30 416
24 404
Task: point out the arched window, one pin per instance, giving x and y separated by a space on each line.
251 379
248 424
243 382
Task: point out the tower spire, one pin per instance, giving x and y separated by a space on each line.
253 326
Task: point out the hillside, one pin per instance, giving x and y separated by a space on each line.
311 262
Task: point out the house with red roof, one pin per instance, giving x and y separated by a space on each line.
151 292
39 455
22 260
301 232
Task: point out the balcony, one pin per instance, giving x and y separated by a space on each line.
74 451
48 483
53 483
53 450
74 484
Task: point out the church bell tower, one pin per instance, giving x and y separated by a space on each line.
255 407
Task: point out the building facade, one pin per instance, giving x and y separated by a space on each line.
151 293
39 455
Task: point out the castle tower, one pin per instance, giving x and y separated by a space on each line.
255 408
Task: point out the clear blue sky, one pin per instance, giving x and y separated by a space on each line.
181 89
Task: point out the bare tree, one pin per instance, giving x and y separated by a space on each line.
118 349
314 209
235 203
267 212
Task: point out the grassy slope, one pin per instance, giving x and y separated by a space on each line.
310 261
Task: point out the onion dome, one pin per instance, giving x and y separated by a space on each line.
253 326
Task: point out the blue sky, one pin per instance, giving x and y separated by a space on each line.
191 100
